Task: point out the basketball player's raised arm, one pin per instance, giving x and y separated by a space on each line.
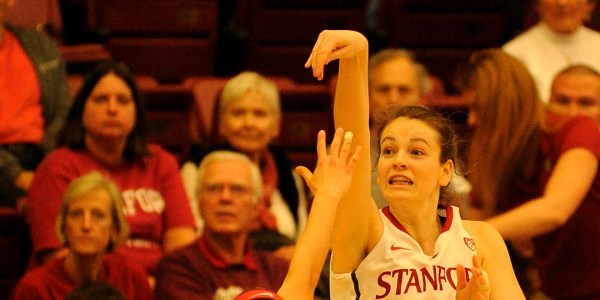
351 111
330 183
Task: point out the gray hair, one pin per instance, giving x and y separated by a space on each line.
85 184
388 54
246 82
223 155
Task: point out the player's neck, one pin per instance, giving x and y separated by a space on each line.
424 227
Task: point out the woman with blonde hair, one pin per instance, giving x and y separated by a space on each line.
91 225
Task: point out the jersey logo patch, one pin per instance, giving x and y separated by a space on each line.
470 243
394 248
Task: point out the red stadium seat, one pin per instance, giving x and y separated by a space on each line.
168 39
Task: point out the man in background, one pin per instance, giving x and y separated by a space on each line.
576 91
222 263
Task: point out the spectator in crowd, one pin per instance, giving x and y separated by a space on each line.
535 176
90 224
249 117
559 39
105 131
395 77
417 233
222 263
576 91
34 101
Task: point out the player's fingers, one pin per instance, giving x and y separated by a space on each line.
336 142
462 277
321 144
305 173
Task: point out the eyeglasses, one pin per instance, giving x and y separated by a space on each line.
236 190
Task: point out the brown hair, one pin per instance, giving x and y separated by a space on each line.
510 120
73 133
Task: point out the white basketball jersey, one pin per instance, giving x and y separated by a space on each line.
397 268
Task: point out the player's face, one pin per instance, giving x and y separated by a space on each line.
565 16
576 94
109 111
249 124
409 162
393 82
227 198
89 224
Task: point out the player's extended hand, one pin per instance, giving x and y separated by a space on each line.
478 288
333 173
332 45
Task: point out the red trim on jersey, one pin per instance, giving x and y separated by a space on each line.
388 213
449 217
447 223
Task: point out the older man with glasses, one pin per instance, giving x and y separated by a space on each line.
222 263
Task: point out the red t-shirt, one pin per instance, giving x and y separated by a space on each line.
568 258
51 281
21 119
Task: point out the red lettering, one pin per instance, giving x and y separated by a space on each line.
384 284
427 277
432 278
441 276
413 281
400 274
451 278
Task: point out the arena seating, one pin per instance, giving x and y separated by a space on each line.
165 39
281 33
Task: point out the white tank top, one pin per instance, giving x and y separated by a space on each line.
397 268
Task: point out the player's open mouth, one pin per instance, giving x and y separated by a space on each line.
400 180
